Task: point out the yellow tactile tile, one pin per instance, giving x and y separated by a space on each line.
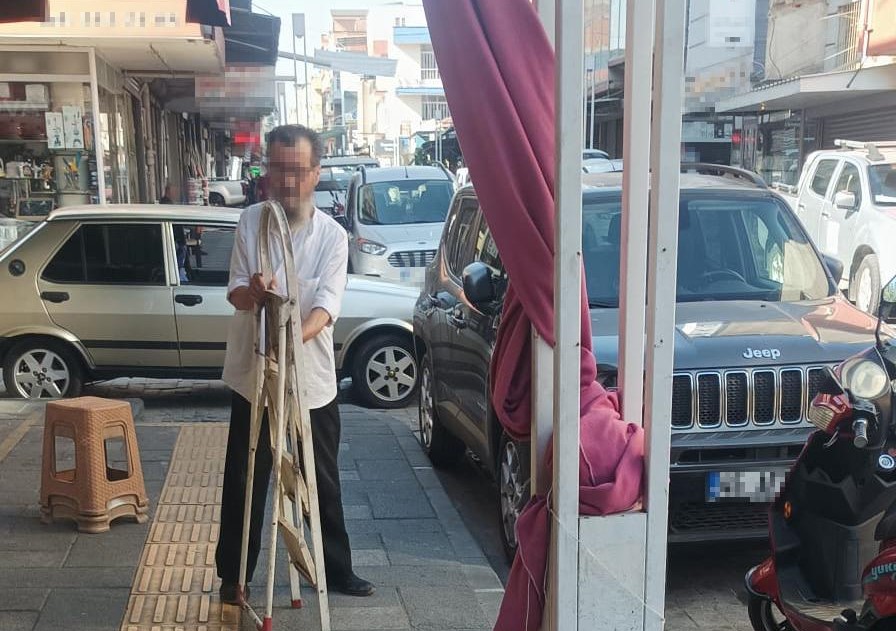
175 587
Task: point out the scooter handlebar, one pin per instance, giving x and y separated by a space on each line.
860 433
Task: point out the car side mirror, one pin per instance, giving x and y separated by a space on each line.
887 307
845 200
479 286
835 266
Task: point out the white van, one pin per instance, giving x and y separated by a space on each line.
394 218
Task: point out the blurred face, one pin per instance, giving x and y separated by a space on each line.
292 174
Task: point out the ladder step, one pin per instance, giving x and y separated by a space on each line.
293 481
299 553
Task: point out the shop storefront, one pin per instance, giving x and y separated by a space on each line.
66 131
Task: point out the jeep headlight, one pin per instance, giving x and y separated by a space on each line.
864 378
371 247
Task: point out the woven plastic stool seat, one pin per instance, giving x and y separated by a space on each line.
93 491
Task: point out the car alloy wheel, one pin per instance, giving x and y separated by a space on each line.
40 374
426 408
514 488
391 374
384 371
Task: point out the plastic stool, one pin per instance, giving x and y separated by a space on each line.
92 492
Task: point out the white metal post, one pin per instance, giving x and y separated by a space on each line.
542 412
542 354
635 176
547 15
307 88
295 75
661 294
97 129
568 96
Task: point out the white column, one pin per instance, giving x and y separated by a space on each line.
635 176
97 129
568 95
661 294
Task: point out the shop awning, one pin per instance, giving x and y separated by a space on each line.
814 90
252 38
210 12
24 11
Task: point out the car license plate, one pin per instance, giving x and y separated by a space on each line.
756 486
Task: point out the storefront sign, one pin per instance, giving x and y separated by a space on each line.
882 31
731 23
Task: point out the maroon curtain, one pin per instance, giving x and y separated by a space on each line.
497 67
210 12
23 11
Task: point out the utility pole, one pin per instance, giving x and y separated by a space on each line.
298 25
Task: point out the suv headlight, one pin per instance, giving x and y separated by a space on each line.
864 378
371 247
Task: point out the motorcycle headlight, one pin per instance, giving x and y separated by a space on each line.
371 247
865 379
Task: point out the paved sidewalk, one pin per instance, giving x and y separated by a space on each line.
406 535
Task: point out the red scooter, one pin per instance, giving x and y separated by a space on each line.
833 526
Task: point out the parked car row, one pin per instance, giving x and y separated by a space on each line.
758 318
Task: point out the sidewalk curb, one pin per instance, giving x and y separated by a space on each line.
22 408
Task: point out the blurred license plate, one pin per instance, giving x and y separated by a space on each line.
756 486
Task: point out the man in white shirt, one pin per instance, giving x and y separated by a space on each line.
321 256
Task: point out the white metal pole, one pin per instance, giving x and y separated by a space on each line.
295 71
99 151
635 176
547 15
568 95
542 355
307 93
661 294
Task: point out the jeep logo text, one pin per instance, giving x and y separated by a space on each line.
762 353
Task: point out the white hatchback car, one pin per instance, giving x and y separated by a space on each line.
846 198
99 292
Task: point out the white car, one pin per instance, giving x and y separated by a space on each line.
224 192
127 290
846 198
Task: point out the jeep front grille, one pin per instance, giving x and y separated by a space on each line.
696 518
413 258
738 398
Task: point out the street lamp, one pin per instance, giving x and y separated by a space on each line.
298 30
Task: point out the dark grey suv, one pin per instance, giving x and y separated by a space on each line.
758 317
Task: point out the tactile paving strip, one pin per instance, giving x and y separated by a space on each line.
175 588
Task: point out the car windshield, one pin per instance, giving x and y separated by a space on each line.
600 165
730 248
405 202
335 177
882 178
14 230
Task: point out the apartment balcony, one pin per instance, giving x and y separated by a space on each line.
146 37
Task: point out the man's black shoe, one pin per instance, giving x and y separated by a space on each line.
352 585
230 594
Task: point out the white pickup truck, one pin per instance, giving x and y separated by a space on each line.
224 192
846 199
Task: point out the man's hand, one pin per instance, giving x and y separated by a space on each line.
247 298
258 288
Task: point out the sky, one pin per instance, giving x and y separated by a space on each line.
317 22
